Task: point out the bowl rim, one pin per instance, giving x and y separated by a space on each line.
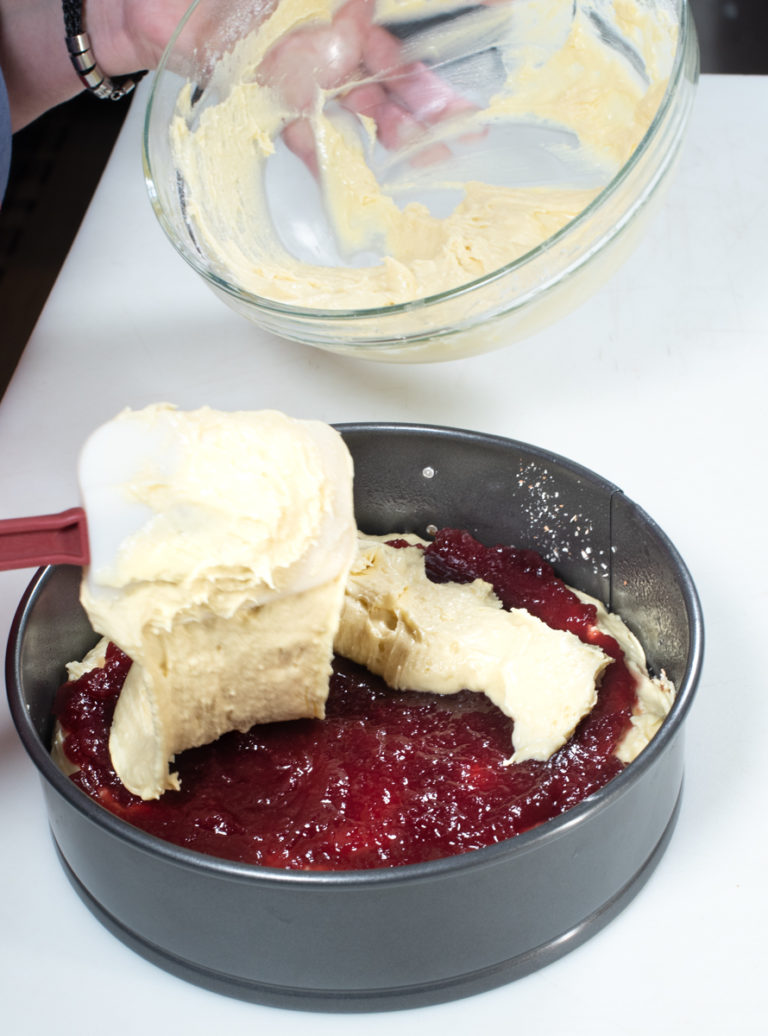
686 40
489 856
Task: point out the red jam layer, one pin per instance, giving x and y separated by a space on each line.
388 777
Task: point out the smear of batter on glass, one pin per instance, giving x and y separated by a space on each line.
570 90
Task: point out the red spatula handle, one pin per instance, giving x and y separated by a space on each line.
44 539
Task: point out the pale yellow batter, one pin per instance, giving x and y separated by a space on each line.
557 71
220 545
448 637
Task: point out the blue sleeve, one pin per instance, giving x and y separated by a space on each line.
5 137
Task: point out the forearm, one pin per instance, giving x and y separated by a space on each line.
34 59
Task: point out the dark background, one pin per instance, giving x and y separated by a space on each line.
57 162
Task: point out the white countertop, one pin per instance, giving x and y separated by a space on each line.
657 383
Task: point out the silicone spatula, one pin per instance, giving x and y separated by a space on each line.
45 539
112 457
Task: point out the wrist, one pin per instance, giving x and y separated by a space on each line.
82 53
128 36
103 23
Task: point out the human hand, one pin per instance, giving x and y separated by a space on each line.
131 35
126 36
365 67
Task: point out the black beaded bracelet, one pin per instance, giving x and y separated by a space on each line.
84 62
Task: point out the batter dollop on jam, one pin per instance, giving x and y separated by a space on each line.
387 777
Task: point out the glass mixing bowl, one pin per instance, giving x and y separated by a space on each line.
282 211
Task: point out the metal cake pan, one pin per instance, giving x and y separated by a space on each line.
413 935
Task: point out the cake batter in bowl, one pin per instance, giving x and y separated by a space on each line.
377 180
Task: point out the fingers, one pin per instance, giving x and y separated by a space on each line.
318 57
313 59
421 92
395 127
299 138
403 99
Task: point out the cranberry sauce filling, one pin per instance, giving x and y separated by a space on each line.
387 777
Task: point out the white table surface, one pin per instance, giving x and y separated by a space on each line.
658 383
